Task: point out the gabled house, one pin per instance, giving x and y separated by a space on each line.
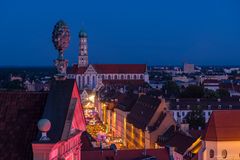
221 139
147 120
42 125
64 111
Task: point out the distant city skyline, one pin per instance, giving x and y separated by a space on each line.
156 33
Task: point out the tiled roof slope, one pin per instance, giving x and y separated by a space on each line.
120 68
126 101
181 142
76 70
124 82
19 114
223 126
143 111
111 68
56 108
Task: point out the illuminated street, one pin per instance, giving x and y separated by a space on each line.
95 126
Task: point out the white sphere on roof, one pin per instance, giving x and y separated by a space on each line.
44 125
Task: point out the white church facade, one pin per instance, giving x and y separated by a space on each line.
94 76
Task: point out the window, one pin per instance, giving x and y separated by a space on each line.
102 76
178 114
115 77
141 76
128 76
134 77
109 77
183 113
211 153
122 77
224 153
88 80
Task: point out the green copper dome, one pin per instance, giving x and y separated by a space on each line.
82 33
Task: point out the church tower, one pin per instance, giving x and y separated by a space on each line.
83 50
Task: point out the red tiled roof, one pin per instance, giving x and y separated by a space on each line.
223 126
77 70
181 142
19 114
133 82
143 111
161 154
111 68
120 68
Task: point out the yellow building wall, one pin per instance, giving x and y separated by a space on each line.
232 148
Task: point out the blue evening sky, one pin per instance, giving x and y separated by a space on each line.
162 32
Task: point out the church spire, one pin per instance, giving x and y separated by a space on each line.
83 49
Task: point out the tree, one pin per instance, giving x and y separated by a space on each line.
223 93
13 85
193 91
170 88
195 118
60 37
210 94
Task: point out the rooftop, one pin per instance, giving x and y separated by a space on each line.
223 126
19 114
143 111
111 68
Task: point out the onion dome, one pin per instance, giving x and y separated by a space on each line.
82 34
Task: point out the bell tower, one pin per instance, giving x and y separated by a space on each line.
83 49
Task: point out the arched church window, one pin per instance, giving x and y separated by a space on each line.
122 77
128 76
211 153
115 77
88 80
134 76
109 77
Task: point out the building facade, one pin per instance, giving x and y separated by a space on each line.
147 120
182 106
188 68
